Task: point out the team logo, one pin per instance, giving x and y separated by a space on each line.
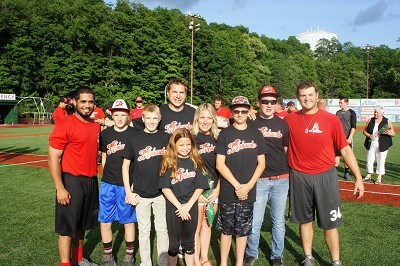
268 133
115 146
239 145
170 128
206 148
150 152
315 129
182 174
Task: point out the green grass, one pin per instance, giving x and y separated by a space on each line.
369 235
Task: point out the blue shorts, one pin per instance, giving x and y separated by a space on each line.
113 206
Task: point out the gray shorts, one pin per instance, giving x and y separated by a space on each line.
311 194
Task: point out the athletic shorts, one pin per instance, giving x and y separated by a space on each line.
235 218
82 212
311 194
113 206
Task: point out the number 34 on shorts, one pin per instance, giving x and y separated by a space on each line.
335 214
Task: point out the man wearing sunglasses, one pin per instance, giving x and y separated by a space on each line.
273 184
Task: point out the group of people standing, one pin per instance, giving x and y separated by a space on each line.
175 167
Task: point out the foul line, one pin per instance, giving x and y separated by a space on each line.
40 161
373 192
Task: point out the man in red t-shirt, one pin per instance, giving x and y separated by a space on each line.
279 109
137 112
60 113
314 187
73 152
223 113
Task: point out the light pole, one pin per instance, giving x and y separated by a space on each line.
368 48
193 27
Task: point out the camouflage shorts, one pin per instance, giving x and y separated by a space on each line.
235 218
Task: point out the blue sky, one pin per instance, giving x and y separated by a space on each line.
361 22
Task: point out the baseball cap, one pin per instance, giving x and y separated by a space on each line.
139 99
120 105
63 100
268 90
290 103
240 100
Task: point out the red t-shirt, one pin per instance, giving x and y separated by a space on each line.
97 113
136 113
281 114
80 142
59 115
314 152
224 112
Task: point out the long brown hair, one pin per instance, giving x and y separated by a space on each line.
170 158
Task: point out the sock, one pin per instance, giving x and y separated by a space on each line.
346 170
129 248
77 254
107 248
65 264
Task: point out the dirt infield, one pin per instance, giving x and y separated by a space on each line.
377 194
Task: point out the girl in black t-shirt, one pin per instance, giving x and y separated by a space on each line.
182 181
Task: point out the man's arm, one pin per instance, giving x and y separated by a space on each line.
351 162
63 196
244 190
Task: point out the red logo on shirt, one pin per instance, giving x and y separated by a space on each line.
170 128
150 152
239 145
206 148
182 174
114 146
268 133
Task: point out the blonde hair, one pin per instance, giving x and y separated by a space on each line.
151 108
195 127
170 159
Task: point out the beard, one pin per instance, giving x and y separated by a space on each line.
85 115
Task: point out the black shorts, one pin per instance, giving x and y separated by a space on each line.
83 210
311 194
235 218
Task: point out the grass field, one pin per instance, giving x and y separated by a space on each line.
369 235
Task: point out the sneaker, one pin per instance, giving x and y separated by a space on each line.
277 261
248 261
128 261
347 176
367 178
109 261
85 262
336 263
308 261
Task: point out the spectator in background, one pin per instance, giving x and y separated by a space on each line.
291 107
322 104
98 115
348 118
223 113
60 113
280 108
137 112
70 106
378 132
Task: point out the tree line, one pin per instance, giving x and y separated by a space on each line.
48 48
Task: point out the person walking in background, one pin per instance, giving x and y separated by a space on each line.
144 153
273 184
205 131
137 111
241 161
280 109
182 182
378 134
223 113
291 107
73 151
348 118
114 140
60 113
322 104
313 184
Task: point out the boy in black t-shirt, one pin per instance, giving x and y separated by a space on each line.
145 150
112 193
240 160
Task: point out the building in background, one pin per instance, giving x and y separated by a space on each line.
312 37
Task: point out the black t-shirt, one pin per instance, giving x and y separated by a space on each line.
171 120
113 143
145 150
206 145
276 136
241 148
186 181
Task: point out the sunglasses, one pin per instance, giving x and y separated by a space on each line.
236 112
266 102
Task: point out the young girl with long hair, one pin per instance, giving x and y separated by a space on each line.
205 132
182 182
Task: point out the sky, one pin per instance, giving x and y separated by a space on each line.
362 22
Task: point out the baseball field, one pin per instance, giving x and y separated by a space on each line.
369 235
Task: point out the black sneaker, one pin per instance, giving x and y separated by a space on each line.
277 261
248 261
